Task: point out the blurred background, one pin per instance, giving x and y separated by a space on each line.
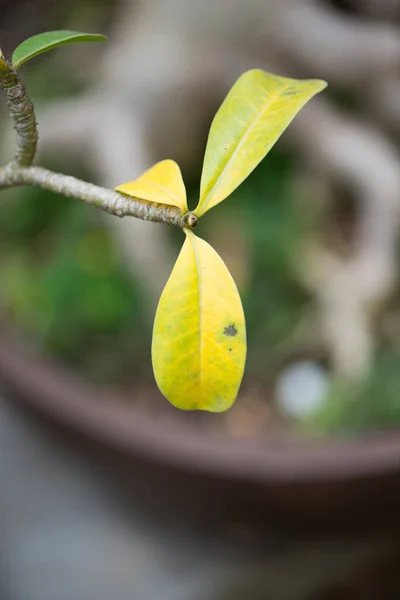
311 239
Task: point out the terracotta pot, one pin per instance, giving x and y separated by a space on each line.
174 468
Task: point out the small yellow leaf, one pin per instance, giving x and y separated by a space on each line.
253 116
162 183
199 336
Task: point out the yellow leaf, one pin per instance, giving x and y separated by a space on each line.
253 116
162 183
199 336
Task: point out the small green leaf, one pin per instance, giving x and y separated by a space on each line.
253 116
47 41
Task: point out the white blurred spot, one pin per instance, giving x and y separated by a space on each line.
301 388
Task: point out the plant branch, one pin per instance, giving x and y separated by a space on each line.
20 172
107 200
22 113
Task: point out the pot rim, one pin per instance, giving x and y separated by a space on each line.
56 391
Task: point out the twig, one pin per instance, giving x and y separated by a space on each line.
107 200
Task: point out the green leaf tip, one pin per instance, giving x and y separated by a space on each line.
43 42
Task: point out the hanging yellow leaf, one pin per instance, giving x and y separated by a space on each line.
162 183
254 114
199 336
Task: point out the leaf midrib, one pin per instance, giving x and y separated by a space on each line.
192 238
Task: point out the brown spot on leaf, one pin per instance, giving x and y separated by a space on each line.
230 330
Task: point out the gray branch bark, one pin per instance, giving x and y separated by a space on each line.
107 200
23 116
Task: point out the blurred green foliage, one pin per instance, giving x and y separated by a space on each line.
62 282
275 300
371 404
